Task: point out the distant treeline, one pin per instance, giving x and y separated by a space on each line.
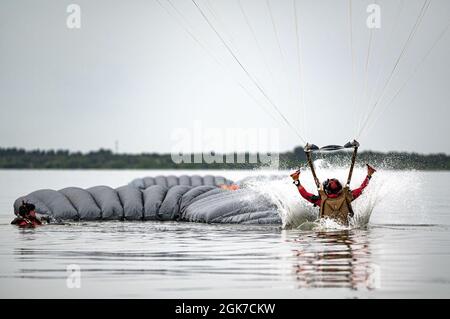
13 158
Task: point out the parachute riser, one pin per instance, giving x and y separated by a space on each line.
350 173
313 171
309 148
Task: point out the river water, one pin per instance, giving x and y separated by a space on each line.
403 252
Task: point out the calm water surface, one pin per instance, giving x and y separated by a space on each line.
405 252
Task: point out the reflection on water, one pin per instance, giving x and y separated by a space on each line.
337 259
190 260
236 254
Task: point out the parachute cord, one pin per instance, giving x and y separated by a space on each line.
187 28
258 44
300 67
380 68
406 45
283 58
424 58
366 73
255 82
232 45
352 52
275 31
209 6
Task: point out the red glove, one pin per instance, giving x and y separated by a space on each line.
370 170
295 175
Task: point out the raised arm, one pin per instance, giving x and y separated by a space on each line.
358 191
314 199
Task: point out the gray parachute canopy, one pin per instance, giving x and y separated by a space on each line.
189 198
169 181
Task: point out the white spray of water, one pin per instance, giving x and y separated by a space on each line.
387 190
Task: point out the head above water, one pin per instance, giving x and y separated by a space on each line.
332 186
26 208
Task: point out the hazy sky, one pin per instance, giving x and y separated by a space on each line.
132 73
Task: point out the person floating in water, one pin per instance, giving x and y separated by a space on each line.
333 199
26 217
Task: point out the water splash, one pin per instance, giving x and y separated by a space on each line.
386 191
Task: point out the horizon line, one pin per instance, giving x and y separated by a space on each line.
71 152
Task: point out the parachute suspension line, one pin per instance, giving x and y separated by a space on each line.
424 58
283 58
366 74
255 38
187 29
352 53
377 82
232 48
255 82
402 53
230 45
185 25
209 6
275 31
274 27
226 32
300 67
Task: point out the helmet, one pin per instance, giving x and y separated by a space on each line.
332 186
22 211
26 208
